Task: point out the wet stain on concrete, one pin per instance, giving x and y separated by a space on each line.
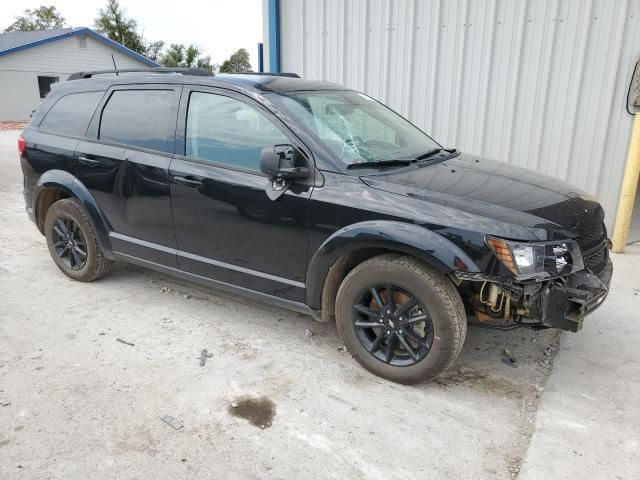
482 381
4 442
259 412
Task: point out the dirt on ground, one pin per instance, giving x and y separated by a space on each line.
8 126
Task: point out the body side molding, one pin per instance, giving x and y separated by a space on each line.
198 258
263 297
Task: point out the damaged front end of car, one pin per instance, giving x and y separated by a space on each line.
551 284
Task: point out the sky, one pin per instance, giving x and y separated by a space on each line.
218 27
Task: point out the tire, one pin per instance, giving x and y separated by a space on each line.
66 222
440 339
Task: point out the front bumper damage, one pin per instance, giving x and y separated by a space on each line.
565 305
561 303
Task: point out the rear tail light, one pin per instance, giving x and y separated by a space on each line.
22 145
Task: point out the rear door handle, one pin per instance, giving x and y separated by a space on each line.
89 162
188 181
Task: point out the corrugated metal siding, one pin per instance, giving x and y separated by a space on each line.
539 83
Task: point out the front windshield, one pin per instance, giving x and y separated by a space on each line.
356 128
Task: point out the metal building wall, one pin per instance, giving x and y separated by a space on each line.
538 83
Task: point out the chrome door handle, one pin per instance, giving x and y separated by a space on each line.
188 181
89 162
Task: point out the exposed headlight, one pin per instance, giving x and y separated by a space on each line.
537 260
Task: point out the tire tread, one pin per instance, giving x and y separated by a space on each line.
102 264
436 281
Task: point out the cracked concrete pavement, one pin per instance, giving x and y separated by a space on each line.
80 404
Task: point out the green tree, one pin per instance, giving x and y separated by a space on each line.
113 22
153 50
40 18
205 62
237 62
180 55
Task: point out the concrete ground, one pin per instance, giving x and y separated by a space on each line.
76 402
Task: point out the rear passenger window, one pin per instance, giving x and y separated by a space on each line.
143 118
72 113
225 130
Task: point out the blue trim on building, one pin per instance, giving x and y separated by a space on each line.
119 47
274 35
83 31
260 57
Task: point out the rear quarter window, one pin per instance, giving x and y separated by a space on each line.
71 114
142 118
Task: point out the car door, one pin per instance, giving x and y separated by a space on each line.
226 226
53 144
125 165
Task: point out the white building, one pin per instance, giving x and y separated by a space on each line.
537 83
31 61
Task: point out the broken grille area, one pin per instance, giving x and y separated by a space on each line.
593 244
596 262
592 237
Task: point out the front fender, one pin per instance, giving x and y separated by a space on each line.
76 189
432 248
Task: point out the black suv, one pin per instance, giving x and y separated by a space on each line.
313 197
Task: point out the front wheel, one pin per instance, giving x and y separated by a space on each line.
400 319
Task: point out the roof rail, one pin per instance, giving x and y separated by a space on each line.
200 72
268 74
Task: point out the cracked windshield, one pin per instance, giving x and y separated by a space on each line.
356 128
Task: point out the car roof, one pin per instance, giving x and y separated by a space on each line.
249 83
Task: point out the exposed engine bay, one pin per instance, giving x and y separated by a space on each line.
561 303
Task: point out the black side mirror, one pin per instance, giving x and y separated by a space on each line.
282 162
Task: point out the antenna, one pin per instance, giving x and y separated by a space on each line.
114 65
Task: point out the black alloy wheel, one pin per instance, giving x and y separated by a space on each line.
69 243
393 325
400 319
72 241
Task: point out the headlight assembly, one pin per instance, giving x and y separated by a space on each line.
537 260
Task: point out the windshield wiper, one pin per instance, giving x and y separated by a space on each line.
381 163
433 152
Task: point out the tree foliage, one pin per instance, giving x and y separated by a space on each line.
153 50
179 55
40 18
205 62
113 22
237 62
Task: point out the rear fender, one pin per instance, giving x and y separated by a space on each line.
76 189
414 240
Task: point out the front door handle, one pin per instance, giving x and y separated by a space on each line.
188 181
89 162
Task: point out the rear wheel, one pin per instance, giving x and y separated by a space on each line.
72 242
400 319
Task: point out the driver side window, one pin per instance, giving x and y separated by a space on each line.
225 130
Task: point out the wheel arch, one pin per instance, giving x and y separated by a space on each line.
352 245
55 185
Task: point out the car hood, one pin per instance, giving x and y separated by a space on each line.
497 190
